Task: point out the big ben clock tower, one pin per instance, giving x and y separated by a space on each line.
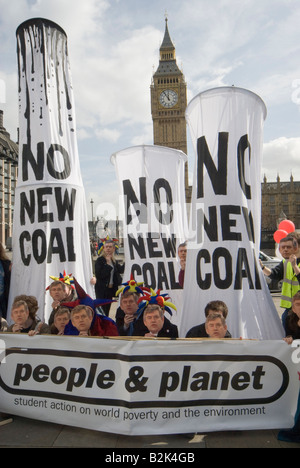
169 101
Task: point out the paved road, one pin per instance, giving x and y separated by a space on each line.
38 434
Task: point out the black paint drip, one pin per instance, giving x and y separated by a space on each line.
43 61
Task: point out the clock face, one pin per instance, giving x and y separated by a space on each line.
168 98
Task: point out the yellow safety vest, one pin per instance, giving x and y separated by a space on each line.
290 285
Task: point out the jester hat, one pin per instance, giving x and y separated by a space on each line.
84 299
132 286
155 298
64 278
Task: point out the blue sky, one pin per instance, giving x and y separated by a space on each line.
114 50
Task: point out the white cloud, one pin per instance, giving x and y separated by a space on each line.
83 134
111 69
108 134
276 89
237 43
281 157
145 137
112 87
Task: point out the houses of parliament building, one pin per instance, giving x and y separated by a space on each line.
280 200
8 177
168 90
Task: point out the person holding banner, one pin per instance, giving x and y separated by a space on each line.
81 318
85 321
33 307
5 268
199 331
292 323
59 293
182 253
126 313
101 325
107 274
157 324
61 319
291 271
22 321
292 330
215 326
288 270
32 304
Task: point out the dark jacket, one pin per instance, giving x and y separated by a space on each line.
277 273
138 328
169 330
291 325
4 301
102 273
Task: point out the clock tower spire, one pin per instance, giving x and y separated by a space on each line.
169 100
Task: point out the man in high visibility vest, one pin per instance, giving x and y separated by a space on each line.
288 270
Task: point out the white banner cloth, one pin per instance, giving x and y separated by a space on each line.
226 127
50 231
143 387
151 185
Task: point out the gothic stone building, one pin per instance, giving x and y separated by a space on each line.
8 177
280 200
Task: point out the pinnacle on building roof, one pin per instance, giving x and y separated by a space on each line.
167 42
167 62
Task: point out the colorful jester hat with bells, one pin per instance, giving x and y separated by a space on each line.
102 243
132 286
155 298
101 325
64 278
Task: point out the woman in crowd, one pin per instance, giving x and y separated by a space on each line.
5 268
107 274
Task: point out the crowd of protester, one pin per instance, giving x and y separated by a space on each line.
141 311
